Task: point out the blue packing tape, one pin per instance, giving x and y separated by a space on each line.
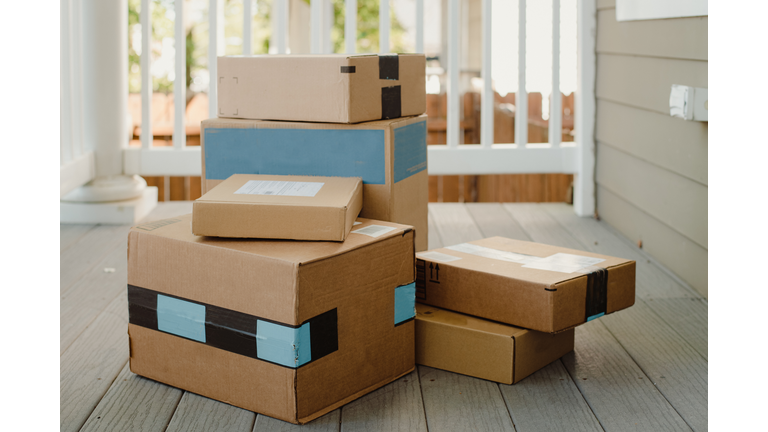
405 303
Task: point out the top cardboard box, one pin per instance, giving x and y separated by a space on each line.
335 88
524 284
279 207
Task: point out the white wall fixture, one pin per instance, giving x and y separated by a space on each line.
689 103
630 10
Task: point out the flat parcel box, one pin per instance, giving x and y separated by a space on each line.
288 329
389 155
279 207
335 88
524 284
484 349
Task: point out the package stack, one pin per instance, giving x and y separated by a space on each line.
289 290
501 309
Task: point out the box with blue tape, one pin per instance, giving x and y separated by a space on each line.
272 326
334 88
389 155
524 284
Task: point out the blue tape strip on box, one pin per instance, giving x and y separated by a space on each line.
410 150
405 303
318 152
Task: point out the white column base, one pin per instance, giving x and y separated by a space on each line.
128 212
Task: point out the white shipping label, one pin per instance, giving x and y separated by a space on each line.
282 188
564 263
492 253
437 256
374 230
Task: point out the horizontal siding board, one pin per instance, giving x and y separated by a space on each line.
681 38
645 82
674 200
671 143
678 253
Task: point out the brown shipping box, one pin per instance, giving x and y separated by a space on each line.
288 329
279 207
334 88
389 155
484 349
530 285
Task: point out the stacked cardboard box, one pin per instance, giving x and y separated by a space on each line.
274 295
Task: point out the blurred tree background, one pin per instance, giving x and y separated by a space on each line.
196 31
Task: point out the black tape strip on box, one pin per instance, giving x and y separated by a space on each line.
231 330
347 69
597 293
390 102
389 67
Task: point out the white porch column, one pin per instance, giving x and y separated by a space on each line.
106 122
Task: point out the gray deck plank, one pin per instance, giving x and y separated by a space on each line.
134 403
652 281
86 252
398 406
71 233
90 295
454 223
456 402
604 349
326 423
548 400
88 367
434 240
198 413
689 317
493 221
677 370
620 394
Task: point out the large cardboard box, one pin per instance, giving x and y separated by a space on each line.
279 207
288 329
484 349
530 285
389 155
335 88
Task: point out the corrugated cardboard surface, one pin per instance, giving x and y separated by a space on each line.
389 155
328 215
484 349
507 292
283 281
317 88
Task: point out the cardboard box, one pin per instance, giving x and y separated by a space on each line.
288 329
279 207
389 155
335 88
484 349
530 285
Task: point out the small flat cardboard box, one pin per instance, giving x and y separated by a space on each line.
389 155
484 349
288 329
530 285
279 207
334 88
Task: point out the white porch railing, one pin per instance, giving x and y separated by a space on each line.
454 158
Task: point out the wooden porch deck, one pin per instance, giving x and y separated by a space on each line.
644 368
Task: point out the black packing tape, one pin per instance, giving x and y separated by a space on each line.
597 293
389 67
231 330
390 102
347 69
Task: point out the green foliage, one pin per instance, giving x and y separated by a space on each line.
367 28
